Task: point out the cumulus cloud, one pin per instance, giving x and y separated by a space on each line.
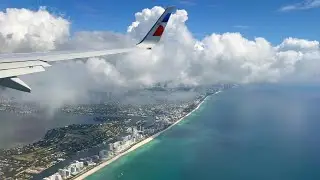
298 45
179 58
304 5
23 30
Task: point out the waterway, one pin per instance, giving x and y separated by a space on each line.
16 129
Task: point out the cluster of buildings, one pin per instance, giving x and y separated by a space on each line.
125 142
73 169
113 149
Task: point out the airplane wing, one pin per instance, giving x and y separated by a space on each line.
16 64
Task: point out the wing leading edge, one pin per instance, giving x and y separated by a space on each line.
16 64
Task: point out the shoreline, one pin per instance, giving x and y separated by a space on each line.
138 145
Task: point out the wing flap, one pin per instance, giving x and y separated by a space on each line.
21 64
20 71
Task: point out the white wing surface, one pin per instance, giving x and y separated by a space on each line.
16 64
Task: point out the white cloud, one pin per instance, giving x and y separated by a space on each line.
298 45
306 4
25 30
179 57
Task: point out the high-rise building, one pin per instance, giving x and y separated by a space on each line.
79 166
116 144
111 148
72 169
125 138
68 173
129 130
134 132
56 176
75 168
63 173
95 158
103 154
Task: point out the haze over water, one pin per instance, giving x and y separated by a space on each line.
254 132
21 130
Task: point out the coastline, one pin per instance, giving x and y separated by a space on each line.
138 145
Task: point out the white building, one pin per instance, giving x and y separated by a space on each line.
116 144
63 173
68 173
79 165
125 138
57 176
130 130
73 169
135 131
111 148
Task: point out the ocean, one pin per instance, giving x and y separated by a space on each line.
253 132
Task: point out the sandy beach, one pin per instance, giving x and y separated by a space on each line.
136 146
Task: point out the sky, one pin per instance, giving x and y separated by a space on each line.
273 20
205 42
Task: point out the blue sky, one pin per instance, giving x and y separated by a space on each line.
253 18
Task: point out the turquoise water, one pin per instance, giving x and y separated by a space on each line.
257 132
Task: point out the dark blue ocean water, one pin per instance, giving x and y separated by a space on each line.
265 132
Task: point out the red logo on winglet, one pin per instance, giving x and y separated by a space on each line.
159 31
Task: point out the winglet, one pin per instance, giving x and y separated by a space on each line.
155 33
